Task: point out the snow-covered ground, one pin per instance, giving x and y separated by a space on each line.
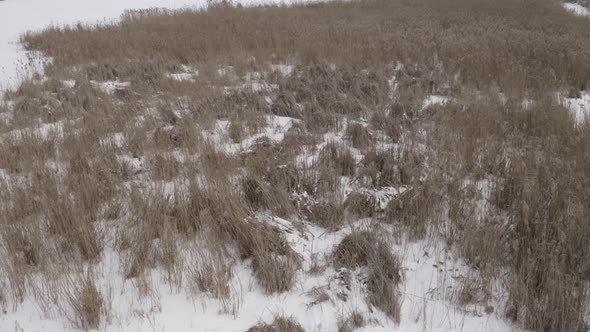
431 278
576 9
580 107
431 272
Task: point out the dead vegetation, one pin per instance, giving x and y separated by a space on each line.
280 324
153 166
365 249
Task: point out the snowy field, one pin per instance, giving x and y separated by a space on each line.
431 272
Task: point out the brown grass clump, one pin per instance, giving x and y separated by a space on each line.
280 324
360 205
338 159
359 135
276 274
364 249
328 214
70 223
273 261
353 322
19 153
381 168
164 167
87 303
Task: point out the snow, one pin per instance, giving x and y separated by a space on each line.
576 9
187 73
68 84
275 131
284 69
181 76
43 132
434 100
431 278
109 87
580 107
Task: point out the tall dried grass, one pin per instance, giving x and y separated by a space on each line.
138 160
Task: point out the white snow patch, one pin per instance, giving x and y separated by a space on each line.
109 87
527 103
275 131
181 76
433 100
42 131
285 70
116 139
68 84
187 74
580 107
576 9
255 86
227 71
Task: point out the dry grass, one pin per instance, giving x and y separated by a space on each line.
508 42
142 161
534 207
359 136
353 322
280 324
87 304
365 249
338 159
328 214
